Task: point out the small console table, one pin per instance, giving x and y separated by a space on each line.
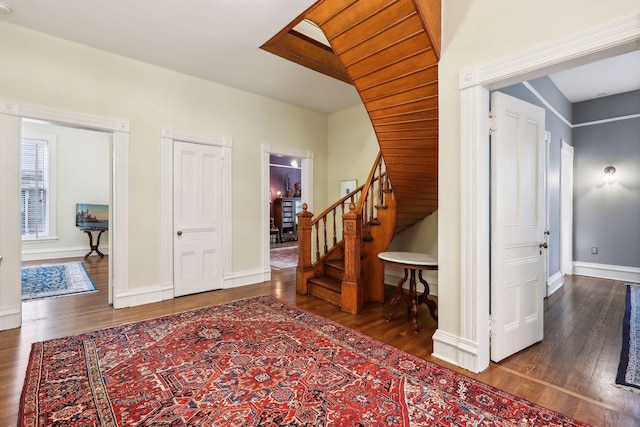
411 262
94 248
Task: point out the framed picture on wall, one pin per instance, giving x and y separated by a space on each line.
347 187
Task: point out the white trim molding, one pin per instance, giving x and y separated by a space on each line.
244 278
306 168
470 348
10 239
169 135
546 104
453 349
68 252
555 282
565 121
144 295
609 120
10 116
607 271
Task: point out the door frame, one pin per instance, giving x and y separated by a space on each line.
470 349
10 134
169 136
306 184
566 208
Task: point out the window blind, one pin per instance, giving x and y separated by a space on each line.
34 187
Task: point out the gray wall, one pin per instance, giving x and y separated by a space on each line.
607 216
559 131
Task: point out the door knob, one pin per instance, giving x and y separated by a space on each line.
179 233
543 245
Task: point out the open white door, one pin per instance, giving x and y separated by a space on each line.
197 215
517 225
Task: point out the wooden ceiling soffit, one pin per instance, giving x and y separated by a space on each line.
303 50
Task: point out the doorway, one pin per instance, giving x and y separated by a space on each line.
518 224
305 165
285 195
197 218
64 169
10 242
222 146
470 348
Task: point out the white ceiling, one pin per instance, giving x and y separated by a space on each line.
610 76
219 40
216 40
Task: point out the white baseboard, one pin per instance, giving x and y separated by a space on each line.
456 350
144 295
605 271
73 252
393 275
555 282
244 278
156 293
10 318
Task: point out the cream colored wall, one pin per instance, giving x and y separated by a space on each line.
353 148
83 159
45 71
478 32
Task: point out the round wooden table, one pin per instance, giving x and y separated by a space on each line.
411 262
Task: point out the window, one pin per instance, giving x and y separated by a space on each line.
37 190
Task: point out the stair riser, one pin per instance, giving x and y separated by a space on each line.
334 273
326 294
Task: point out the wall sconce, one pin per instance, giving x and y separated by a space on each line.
609 171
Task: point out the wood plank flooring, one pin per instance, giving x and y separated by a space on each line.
572 371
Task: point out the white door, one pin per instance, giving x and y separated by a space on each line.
197 215
517 225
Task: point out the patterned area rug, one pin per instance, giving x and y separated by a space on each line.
254 362
54 280
629 369
286 257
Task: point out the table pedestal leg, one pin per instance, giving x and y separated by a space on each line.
92 246
412 299
413 294
424 298
395 302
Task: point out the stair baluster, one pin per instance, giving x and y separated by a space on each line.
338 273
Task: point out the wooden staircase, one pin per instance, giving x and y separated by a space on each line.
338 250
390 51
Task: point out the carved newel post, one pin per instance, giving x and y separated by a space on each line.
304 271
351 283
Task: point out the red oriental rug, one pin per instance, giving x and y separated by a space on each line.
285 257
254 362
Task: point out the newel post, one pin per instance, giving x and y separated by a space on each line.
351 283
304 271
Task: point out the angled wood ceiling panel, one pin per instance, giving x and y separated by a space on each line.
389 50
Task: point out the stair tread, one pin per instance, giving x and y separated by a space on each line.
336 263
327 282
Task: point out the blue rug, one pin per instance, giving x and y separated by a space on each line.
629 368
54 280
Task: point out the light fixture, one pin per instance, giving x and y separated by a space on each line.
609 171
5 9
294 163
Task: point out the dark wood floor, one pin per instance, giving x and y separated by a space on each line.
572 371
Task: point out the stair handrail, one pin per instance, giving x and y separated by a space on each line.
355 229
362 193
